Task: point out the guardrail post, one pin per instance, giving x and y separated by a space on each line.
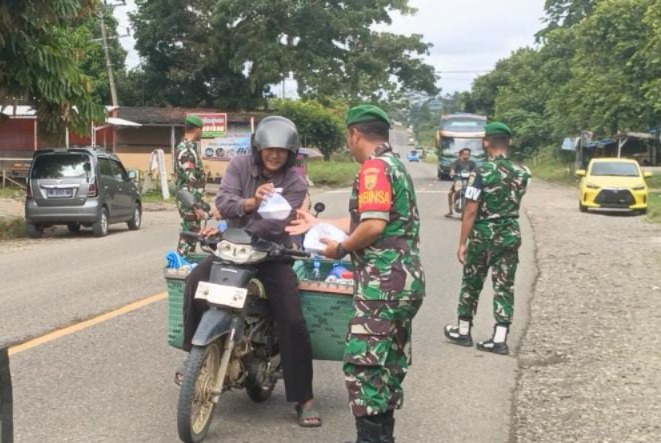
6 400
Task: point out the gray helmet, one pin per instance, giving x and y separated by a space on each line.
276 132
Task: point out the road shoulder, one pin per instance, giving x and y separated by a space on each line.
589 365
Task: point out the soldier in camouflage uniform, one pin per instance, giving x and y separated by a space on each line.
384 244
189 175
491 227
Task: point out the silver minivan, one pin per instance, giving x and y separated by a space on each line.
80 187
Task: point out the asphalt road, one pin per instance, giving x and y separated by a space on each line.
112 382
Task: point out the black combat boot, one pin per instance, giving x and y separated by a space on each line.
388 427
461 334
370 429
498 343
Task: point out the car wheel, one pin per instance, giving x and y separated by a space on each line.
34 231
581 207
136 221
100 227
73 227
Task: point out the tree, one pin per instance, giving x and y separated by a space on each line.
317 124
40 67
226 53
565 13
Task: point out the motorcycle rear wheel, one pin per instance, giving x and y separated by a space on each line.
195 409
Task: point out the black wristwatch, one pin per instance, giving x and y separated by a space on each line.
341 252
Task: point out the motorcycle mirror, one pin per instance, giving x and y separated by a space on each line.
186 198
319 207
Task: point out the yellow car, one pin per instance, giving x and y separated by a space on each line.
613 183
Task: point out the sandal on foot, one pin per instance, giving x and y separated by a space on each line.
308 417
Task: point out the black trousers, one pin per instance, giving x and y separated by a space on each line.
281 286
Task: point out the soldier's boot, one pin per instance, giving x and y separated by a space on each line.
369 429
388 428
460 334
498 343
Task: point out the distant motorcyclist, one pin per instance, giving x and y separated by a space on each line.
462 164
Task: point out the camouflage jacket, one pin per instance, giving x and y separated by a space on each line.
498 185
188 168
390 268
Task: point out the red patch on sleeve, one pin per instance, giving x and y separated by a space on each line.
374 188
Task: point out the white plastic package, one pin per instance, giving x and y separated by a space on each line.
276 207
312 242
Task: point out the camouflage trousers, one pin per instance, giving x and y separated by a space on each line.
378 354
503 260
189 222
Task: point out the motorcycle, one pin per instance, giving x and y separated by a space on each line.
235 345
460 185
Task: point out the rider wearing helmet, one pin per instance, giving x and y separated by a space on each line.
462 164
249 180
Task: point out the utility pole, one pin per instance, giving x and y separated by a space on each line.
106 50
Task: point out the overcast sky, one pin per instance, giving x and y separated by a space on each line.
468 35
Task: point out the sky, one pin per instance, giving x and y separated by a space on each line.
468 36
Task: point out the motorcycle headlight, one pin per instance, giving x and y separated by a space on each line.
239 254
591 186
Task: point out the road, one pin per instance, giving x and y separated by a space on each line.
112 381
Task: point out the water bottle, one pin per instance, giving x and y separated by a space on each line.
316 269
222 226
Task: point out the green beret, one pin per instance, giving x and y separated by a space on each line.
497 128
366 113
194 120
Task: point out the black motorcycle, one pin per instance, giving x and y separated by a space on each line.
235 345
460 185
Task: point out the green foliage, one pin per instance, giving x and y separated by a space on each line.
333 173
318 126
598 69
40 66
226 53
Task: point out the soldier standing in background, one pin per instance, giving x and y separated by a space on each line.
491 227
189 175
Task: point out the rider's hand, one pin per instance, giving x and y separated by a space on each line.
331 248
461 254
264 192
215 213
209 231
302 224
201 215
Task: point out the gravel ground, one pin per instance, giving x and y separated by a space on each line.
590 363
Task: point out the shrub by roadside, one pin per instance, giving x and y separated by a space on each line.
11 227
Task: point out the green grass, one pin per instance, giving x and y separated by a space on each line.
12 228
156 197
654 182
654 207
332 173
432 159
15 193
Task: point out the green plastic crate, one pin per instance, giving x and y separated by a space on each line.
175 284
327 308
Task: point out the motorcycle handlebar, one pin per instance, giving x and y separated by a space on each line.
295 253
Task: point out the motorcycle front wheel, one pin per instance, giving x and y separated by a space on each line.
196 407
